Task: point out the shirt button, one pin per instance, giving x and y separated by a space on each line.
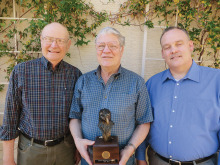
170 142
105 97
170 156
175 97
171 126
173 110
65 88
177 84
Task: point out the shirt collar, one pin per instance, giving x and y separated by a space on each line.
48 64
98 71
193 73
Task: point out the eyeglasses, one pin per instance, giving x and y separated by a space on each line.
49 40
111 45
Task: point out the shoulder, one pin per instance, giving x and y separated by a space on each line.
84 80
71 67
208 73
131 75
157 77
86 77
209 70
23 65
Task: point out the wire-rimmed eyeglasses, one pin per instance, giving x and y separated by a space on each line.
49 40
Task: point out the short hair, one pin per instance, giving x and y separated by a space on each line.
110 30
174 27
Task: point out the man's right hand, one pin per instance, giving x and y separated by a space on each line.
82 145
9 162
8 152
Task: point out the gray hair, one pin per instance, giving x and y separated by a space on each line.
110 30
173 27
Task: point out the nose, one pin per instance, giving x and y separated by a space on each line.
174 49
54 43
106 49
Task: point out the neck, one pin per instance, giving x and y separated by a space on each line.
179 73
107 72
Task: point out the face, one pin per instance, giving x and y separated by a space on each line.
109 51
55 43
177 49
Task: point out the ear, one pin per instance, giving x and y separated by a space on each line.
191 45
41 40
122 50
68 44
162 53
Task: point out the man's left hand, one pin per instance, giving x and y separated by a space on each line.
126 153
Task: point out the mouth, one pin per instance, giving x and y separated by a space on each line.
107 57
175 57
51 51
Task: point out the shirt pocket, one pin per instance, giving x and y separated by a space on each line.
68 95
123 106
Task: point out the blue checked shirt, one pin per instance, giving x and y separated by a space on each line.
187 114
39 99
125 95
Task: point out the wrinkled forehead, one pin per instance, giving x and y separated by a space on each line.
55 30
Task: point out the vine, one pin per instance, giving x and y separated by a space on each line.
199 17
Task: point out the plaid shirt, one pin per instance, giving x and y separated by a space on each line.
38 100
125 95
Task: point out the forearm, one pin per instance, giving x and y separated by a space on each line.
81 144
75 128
8 152
140 134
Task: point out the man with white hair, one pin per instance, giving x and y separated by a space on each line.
111 87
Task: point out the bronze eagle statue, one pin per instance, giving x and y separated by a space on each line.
105 124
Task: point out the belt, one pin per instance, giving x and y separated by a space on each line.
46 142
176 162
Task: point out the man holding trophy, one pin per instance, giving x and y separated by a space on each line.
124 96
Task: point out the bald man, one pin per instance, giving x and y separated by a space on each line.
38 103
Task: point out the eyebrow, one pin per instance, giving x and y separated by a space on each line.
175 42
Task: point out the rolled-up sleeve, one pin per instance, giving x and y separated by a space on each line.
143 106
76 106
13 105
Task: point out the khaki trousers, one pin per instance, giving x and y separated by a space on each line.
30 153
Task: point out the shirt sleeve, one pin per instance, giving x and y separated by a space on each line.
140 153
76 106
143 107
13 105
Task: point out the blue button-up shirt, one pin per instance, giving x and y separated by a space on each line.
125 95
186 122
39 99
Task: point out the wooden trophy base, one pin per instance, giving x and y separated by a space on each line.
106 152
